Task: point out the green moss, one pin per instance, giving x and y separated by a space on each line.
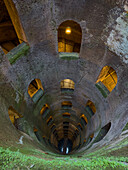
126 127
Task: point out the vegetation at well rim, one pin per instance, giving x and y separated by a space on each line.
16 160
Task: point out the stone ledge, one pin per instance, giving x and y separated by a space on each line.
69 56
101 87
17 52
37 95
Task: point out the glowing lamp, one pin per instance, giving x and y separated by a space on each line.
68 30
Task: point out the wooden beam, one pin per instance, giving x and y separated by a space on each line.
15 20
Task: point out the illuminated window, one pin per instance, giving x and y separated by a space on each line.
90 108
84 119
37 133
77 131
10 26
49 120
66 104
66 114
85 140
90 138
67 85
44 111
69 37
53 127
14 116
107 80
35 90
79 127
35 129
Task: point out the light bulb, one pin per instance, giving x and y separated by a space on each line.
68 30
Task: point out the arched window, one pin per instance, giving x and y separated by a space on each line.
37 133
66 115
66 105
49 120
44 111
12 36
53 127
35 90
67 85
107 80
84 119
79 127
69 37
90 108
103 132
14 116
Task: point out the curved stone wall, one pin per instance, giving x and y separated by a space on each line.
40 21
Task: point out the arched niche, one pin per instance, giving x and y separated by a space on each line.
67 85
90 108
49 121
14 116
103 132
107 80
36 132
53 127
84 119
35 90
69 39
44 111
79 127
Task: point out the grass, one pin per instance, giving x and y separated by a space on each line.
16 160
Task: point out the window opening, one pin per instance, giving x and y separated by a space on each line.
90 108
79 127
11 30
37 133
66 115
35 90
44 111
66 104
14 116
69 37
67 85
49 120
107 80
84 119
